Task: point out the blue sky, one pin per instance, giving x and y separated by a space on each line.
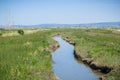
30 12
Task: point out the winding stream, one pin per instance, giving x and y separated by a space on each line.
66 67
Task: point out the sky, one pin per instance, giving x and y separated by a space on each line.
32 12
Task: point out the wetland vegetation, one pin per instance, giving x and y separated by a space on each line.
28 56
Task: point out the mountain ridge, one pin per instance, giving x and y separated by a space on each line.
55 25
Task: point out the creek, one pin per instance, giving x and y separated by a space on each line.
66 67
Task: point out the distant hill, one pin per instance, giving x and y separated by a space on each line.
102 24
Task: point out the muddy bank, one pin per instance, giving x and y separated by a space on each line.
54 45
52 48
101 70
93 65
69 41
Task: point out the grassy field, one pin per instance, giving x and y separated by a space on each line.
22 57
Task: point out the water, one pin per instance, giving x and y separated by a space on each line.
66 67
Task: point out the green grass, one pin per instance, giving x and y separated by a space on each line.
24 57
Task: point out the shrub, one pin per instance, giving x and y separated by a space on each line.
21 32
87 30
0 34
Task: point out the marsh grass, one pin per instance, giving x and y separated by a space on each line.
24 57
